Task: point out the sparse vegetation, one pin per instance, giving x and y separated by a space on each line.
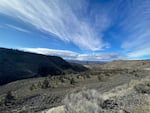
143 88
32 87
9 98
39 84
99 78
45 84
62 79
83 102
72 81
88 76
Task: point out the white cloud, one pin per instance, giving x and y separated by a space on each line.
74 55
62 18
63 53
17 28
138 44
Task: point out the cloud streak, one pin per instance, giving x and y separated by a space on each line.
70 55
17 28
136 25
67 20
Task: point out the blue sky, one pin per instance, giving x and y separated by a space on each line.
77 29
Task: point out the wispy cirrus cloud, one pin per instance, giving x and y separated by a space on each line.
136 25
138 45
139 53
17 28
70 55
68 20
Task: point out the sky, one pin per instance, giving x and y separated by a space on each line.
95 30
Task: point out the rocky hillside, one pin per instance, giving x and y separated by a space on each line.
16 65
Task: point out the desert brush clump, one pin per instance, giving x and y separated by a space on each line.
41 84
32 87
9 98
45 84
143 88
72 81
62 79
83 102
99 78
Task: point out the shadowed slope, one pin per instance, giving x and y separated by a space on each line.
16 65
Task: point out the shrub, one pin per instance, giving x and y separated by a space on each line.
88 76
72 81
83 102
143 88
136 75
45 84
99 78
109 104
32 87
107 74
62 79
8 98
39 84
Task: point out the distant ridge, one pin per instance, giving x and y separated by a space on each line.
16 65
87 62
128 64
